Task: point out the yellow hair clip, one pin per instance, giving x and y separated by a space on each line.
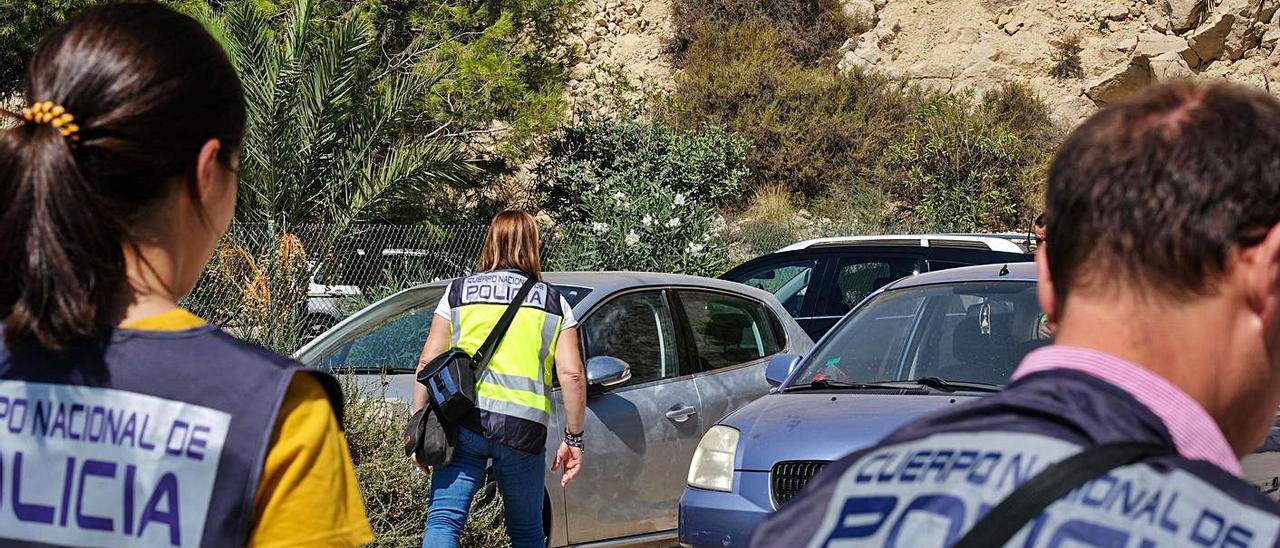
45 112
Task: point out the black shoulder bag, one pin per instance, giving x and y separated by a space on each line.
1026 502
450 380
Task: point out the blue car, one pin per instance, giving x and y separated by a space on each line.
919 345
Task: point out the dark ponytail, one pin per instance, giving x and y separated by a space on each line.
147 87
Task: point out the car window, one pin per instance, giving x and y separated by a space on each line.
637 329
856 278
573 293
729 330
944 265
973 331
392 344
789 282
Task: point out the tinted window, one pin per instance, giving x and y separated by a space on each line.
976 332
789 282
856 278
730 330
635 328
573 294
391 344
944 265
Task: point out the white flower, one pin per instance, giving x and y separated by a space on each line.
599 227
619 196
680 199
674 222
695 249
632 237
647 221
719 224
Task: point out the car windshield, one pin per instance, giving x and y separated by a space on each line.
973 332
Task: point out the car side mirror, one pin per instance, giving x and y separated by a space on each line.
606 371
779 368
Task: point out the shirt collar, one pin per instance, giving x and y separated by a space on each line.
1194 432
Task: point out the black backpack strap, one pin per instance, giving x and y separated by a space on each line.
490 344
1031 498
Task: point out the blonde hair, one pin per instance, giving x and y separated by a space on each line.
512 242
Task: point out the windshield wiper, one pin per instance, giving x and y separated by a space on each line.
951 386
828 384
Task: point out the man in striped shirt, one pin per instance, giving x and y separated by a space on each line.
1163 285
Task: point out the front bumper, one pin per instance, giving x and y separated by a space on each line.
725 520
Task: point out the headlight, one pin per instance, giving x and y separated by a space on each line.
712 466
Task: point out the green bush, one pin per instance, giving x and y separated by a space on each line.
861 150
639 195
809 31
395 493
810 127
962 167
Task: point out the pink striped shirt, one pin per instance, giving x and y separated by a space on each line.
1194 432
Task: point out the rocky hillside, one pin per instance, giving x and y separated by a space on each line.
953 44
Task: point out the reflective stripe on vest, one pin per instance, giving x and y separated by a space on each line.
517 381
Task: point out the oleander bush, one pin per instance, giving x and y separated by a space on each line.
635 194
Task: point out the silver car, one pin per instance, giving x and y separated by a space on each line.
667 356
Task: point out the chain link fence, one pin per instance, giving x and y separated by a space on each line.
279 285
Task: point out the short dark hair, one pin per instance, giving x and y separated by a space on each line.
148 87
1156 191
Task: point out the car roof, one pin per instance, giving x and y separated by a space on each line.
996 272
991 243
608 282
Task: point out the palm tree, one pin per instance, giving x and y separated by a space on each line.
336 131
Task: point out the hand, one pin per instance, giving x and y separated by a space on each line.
424 469
571 459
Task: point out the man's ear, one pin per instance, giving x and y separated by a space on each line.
1261 275
209 170
1044 286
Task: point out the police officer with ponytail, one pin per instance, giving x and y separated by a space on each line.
124 419
513 391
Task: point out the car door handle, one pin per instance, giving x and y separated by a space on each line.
681 414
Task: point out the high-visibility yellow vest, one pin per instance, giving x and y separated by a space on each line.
513 391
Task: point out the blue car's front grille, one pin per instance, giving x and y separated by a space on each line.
787 479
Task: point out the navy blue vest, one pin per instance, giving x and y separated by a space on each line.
150 439
929 482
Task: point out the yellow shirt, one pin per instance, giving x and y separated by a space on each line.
308 495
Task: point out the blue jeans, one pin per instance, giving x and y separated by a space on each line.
519 476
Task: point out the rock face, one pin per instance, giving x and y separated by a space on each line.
1120 82
1183 14
1124 46
954 44
628 36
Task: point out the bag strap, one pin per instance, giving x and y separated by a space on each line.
490 344
1031 498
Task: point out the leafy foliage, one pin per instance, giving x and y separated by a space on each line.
510 62
809 31
857 148
23 23
1066 58
639 195
963 168
331 123
395 493
811 127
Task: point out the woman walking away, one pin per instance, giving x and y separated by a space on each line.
509 425
130 422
